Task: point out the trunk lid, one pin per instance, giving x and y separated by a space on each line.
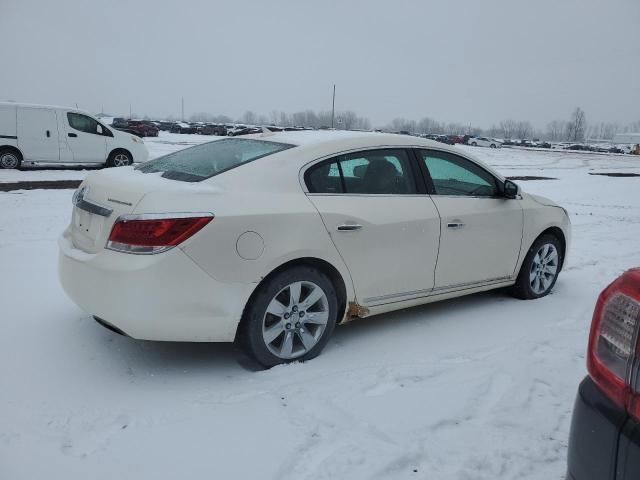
106 195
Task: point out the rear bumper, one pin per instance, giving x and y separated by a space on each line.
152 297
604 443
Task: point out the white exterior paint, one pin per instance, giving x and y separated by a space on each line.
404 255
42 135
484 142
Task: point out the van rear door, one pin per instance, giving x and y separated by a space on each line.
38 134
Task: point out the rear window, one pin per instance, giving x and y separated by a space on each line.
209 159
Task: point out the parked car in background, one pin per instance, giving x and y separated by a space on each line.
604 443
443 139
579 147
305 235
120 123
213 129
182 127
38 134
453 139
484 142
165 126
135 127
245 131
142 128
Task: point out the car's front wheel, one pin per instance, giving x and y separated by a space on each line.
540 269
291 317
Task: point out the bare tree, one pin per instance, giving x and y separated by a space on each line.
523 129
508 128
249 118
577 125
556 130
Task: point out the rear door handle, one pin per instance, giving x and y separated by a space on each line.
73 135
455 225
348 227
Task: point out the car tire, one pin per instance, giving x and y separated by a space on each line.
9 158
540 269
475 144
119 158
492 145
277 329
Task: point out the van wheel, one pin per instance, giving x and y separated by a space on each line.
9 159
290 318
119 159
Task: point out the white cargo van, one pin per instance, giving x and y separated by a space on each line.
38 134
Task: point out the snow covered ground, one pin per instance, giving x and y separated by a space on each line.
474 388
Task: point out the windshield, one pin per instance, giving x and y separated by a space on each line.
209 159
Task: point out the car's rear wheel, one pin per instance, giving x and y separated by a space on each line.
9 159
119 158
291 317
492 145
540 269
475 144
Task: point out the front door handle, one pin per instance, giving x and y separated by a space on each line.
455 225
73 135
48 134
348 227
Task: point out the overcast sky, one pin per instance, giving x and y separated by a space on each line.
467 61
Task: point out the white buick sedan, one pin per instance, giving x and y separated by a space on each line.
273 239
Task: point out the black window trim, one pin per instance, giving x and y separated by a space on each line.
105 131
430 186
420 186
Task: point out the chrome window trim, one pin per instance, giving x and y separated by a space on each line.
311 163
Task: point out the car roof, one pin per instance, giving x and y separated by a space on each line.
339 140
316 145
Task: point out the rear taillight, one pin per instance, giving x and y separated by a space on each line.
154 233
613 356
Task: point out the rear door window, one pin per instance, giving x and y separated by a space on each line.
371 172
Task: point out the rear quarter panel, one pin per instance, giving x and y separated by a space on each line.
288 224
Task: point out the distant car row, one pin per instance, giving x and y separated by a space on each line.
149 128
535 143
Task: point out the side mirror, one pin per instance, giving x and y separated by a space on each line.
510 189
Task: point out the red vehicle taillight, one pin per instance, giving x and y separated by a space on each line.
154 233
613 359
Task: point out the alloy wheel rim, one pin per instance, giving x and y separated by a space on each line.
120 160
295 320
8 160
544 268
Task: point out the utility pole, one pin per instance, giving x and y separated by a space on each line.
333 105
183 109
